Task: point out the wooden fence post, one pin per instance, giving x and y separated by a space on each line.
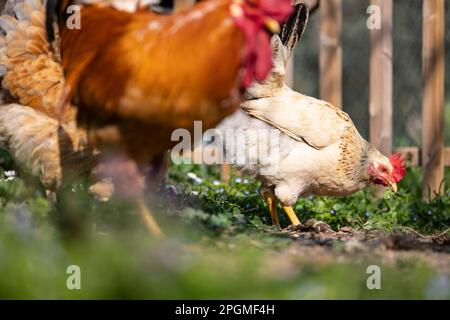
313 5
331 51
433 98
381 79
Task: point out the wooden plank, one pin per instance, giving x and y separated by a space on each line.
433 99
225 171
447 157
381 79
411 154
414 155
183 4
331 51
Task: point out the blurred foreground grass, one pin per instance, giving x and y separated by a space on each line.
220 244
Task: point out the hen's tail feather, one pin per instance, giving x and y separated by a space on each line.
42 147
52 9
55 13
31 71
293 29
54 151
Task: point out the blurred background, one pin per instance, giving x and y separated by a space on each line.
408 85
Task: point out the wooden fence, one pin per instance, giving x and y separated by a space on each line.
433 156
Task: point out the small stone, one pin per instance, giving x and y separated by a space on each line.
347 229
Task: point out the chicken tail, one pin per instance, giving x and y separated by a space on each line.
43 148
52 16
293 29
32 147
283 45
31 71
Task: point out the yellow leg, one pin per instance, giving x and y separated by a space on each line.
149 221
292 216
271 204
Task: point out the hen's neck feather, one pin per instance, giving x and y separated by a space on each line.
355 156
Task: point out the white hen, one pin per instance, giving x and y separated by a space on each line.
319 150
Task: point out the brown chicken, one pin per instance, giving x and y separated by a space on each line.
44 146
160 73
137 77
45 139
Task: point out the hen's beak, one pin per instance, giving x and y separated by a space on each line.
272 25
393 186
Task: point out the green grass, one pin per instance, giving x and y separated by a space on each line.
220 243
237 204
136 267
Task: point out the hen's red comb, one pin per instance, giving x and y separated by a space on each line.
399 167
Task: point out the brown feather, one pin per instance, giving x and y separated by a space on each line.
125 73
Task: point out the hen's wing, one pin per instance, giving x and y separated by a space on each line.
303 118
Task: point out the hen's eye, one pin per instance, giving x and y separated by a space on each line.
383 169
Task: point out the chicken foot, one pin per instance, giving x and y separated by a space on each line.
271 201
149 220
312 225
130 186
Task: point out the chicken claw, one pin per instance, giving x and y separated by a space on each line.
313 226
320 226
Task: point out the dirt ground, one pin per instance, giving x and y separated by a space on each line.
327 246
